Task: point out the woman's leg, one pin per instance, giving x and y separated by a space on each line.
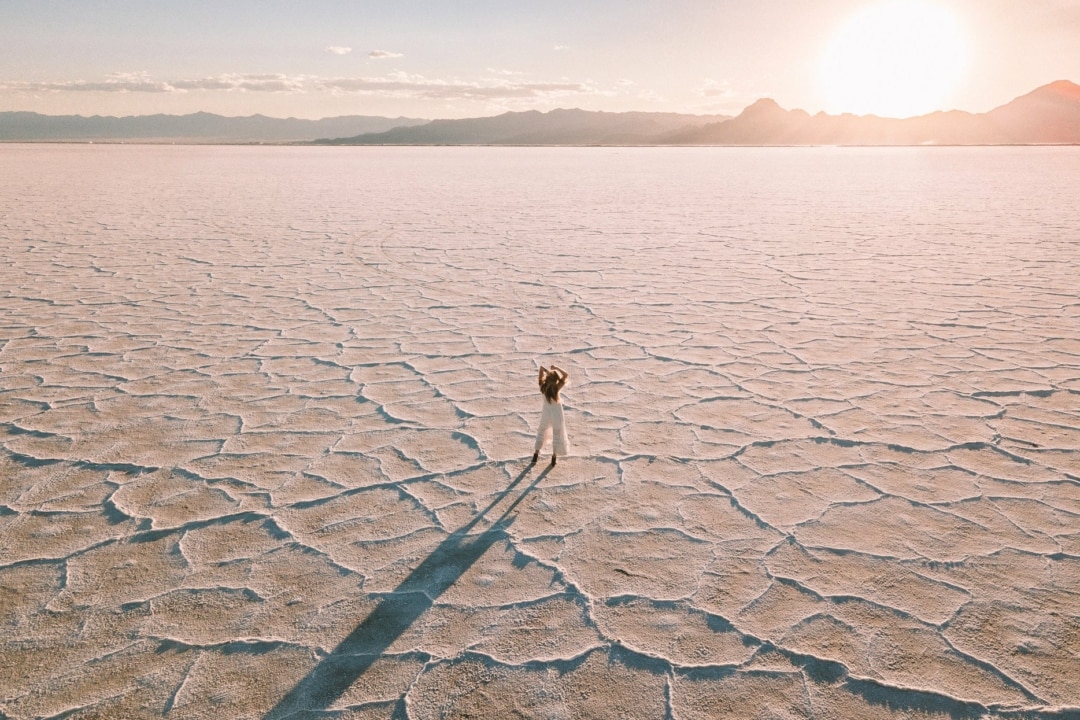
560 444
541 436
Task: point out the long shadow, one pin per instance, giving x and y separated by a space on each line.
396 612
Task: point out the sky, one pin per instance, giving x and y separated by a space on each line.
469 58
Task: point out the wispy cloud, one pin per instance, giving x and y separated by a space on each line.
245 83
651 96
383 54
417 86
496 87
141 83
560 48
716 89
338 50
721 96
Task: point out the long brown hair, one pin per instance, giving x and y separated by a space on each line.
550 388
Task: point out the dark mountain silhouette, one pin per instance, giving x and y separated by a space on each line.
557 127
1048 115
194 128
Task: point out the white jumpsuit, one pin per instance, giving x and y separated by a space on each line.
552 424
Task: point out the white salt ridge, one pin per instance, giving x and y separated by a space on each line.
265 417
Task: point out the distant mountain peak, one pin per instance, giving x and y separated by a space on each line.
1060 88
763 106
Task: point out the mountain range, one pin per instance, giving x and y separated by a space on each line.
1047 115
194 128
557 127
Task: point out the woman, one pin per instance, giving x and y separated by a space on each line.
551 417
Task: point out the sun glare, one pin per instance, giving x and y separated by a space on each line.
895 59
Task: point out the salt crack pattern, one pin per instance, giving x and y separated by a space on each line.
265 417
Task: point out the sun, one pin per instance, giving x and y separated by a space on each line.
897 58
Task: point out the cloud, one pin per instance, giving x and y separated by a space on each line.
383 54
392 85
651 96
244 83
338 50
720 96
416 86
716 89
141 83
560 48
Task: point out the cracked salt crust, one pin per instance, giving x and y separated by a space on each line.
264 446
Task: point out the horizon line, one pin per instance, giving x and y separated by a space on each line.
545 112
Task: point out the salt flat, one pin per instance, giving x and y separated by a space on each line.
266 416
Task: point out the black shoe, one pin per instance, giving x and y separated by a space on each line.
536 456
